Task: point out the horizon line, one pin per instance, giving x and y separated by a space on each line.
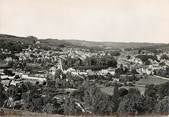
69 39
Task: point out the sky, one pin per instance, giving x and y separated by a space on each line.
92 20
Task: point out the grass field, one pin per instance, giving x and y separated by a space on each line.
140 85
151 80
108 90
140 88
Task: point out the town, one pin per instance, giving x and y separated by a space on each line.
77 80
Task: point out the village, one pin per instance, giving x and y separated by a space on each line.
64 80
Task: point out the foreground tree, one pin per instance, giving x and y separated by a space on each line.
133 102
3 96
98 101
163 105
151 97
163 90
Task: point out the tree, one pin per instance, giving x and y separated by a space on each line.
48 108
162 63
128 57
163 105
70 107
145 58
151 97
150 103
122 92
147 62
139 51
163 90
164 56
115 53
9 72
133 102
99 102
3 96
37 104
151 91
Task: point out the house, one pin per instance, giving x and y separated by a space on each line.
145 70
52 71
104 72
90 72
107 71
72 71
8 59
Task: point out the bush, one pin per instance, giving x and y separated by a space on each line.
122 92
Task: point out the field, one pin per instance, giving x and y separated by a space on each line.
139 84
151 80
108 90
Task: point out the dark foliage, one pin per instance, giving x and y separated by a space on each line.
151 96
145 58
94 63
163 106
133 102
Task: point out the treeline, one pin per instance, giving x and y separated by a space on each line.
162 72
146 58
131 101
93 62
88 99
13 47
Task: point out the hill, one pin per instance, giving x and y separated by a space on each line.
76 43
111 45
11 38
